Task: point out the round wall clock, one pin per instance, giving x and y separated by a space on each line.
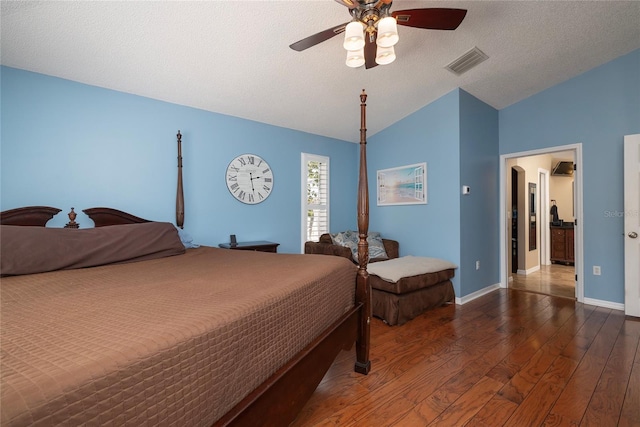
249 179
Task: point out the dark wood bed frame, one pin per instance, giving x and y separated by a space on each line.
36 216
278 400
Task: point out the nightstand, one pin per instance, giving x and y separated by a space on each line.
260 246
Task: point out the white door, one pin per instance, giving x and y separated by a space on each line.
632 225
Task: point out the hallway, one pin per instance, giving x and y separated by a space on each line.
555 279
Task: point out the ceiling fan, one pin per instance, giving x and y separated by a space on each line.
372 33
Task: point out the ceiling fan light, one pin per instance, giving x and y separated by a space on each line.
387 32
385 55
355 58
354 36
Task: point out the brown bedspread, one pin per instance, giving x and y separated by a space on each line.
172 341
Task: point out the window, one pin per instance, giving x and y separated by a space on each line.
315 197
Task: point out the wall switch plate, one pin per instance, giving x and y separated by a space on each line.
466 189
596 270
477 265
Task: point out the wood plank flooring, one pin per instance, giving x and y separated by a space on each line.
509 358
554 279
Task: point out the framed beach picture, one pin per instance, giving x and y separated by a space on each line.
405 185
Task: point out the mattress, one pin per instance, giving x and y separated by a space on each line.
172 341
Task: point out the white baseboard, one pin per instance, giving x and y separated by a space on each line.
477 294
529 271
603 303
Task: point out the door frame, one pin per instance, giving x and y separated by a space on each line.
578 229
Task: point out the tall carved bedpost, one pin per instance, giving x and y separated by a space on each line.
363 288
180 193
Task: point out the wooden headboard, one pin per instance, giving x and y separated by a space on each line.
108 216
37 216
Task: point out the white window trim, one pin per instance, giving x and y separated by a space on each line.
304 159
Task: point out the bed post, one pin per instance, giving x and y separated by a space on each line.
363 288
180 193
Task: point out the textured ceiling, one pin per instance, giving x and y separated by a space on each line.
232 57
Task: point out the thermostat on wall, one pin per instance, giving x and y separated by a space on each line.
466 189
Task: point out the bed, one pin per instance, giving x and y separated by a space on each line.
152 333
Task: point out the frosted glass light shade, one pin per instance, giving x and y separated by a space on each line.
385 55
387 32
354 36
355 58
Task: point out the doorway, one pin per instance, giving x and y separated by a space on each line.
514 220
547 250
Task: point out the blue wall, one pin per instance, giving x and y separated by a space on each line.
596 109
429 135
68 144
479 214
457 135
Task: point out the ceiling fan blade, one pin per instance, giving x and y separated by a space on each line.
313 40
370 49
430 18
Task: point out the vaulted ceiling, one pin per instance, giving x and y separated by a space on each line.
233 57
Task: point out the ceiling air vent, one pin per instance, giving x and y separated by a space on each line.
467 61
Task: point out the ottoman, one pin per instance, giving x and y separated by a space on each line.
406 287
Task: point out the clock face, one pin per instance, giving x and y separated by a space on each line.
249 179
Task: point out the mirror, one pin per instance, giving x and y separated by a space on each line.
532 217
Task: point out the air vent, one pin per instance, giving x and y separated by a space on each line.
467 61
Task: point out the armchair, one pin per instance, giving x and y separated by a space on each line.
325 246
395 302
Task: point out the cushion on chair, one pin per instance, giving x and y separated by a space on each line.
395 269
351 238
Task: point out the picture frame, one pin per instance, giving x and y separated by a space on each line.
404 185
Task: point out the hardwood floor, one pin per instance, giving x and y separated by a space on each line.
509 358
554 279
